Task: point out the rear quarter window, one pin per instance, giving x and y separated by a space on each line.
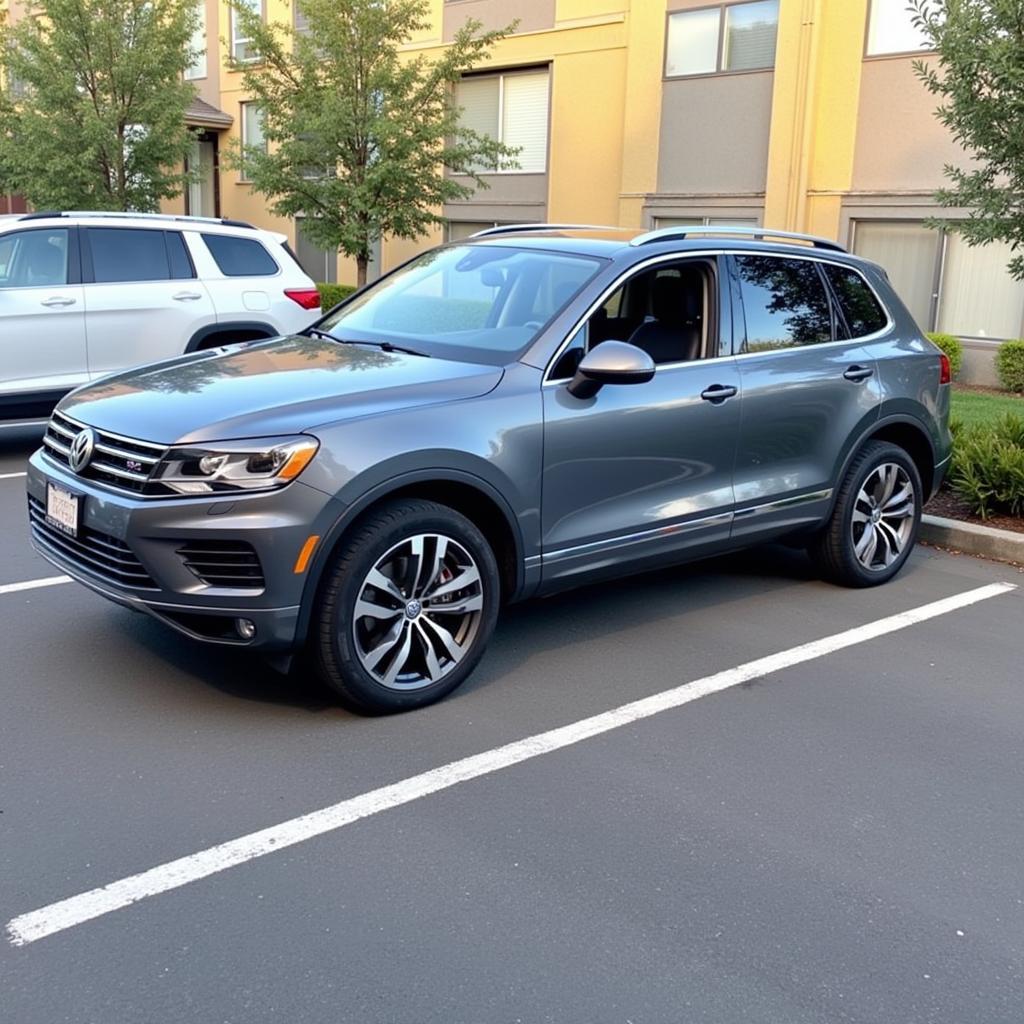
862 311
240 257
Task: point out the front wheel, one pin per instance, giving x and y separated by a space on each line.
407 608
874 524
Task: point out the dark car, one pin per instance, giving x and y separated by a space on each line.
531 409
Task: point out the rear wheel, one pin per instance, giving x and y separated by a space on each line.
874 524
407 608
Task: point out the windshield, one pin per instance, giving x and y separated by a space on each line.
474 303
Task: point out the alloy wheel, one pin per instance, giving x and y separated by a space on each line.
418 612
884 513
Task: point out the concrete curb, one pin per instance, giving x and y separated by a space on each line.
971 539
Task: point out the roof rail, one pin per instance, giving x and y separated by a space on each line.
122 214
758 234
508 229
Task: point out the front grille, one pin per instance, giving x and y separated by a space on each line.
95 553
118 462
224 563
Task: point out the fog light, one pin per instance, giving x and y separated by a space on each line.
246 628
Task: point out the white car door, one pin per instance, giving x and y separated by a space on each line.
42 313
142 298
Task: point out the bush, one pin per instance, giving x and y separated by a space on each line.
988 467
332 294
1010 365
952 347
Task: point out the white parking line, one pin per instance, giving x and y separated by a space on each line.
48 581
67 913
12 476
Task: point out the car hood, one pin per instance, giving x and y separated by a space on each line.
275 387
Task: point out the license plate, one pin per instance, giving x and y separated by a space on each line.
62 509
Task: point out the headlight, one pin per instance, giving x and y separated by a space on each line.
252 465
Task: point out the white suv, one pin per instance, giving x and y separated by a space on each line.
85 294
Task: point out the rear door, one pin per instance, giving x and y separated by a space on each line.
42 321
808 390
142 299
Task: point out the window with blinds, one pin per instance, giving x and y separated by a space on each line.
512 108
736 37
892 29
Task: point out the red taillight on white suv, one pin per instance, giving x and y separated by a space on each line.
307 298
945 370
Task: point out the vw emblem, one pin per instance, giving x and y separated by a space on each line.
413 609
81 449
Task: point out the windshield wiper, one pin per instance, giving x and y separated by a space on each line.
385 346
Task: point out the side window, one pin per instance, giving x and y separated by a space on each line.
178 257
860 308
784 302
33 259
127 254
240 257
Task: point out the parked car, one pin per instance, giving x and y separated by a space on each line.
86 294
498 418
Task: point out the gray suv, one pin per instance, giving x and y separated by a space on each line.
530 409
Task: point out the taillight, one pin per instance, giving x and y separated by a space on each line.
307 298
945 370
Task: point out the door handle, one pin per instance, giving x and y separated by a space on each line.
718 393
57 300
186 296
858 373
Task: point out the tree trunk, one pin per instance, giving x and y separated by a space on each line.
361 265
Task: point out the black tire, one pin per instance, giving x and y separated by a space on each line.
339 640
835 549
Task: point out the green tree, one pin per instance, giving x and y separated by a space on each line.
979 77
359 136
93 113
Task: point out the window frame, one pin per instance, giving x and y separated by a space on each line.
243 177
720 52
235 39
886 54
203 56
501 75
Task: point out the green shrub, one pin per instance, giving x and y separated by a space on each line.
332 294
1010 365
988 467
952 347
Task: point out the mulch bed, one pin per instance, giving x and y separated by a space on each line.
949 505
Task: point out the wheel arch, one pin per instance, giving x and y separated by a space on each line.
256 330
470 495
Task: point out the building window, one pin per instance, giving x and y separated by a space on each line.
252 132
301 18
512 108
716 40
891 29
320 264
243 48
696 222
946 284
197 45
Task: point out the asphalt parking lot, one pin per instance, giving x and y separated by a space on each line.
835 836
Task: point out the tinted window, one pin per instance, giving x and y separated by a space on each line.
34 258
127 254
240 257
177 255
784 302
860 308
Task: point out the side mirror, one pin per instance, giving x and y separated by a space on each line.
611 362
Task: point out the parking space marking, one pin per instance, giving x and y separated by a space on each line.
12 476
67 913
48 581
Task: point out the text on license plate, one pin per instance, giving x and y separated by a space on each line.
62 509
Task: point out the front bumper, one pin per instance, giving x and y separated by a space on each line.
129 550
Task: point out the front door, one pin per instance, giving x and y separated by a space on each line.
644 470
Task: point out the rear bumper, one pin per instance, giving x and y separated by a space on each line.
128 551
